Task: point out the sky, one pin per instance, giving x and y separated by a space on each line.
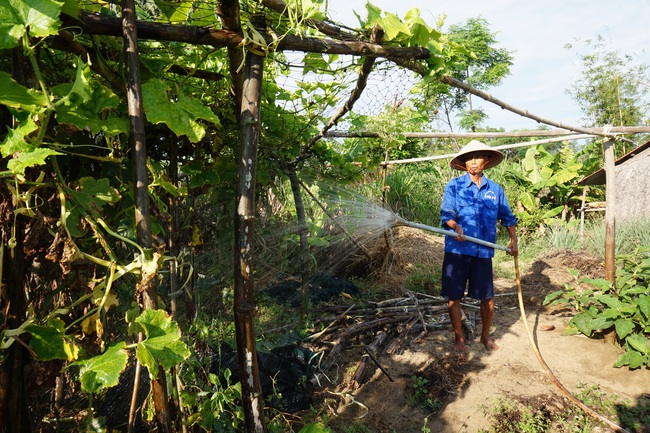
536 32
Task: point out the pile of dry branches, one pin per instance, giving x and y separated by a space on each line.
391 322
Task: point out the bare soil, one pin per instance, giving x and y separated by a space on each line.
467 387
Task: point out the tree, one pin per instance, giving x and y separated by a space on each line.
481 64
612 89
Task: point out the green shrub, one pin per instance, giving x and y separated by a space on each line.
624 308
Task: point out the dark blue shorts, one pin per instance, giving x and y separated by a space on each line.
461 273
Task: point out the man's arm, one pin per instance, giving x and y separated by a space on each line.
512 232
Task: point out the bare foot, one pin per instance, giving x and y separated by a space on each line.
489 344
460 347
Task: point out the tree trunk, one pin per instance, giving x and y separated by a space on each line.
146 286
244 225
302 230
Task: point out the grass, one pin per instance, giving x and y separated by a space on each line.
628 236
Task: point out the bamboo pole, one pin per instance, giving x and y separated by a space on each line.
582 211
525 113
229 14
610 212
505 134
252 398
146 285
507 146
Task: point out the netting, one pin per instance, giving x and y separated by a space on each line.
388 86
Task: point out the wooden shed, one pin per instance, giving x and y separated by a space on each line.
632 185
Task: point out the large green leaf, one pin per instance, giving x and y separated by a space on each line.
71 7
30 158
17 17
95 193
162 345
567 174
553 212
94 113
644 305
583 323
639 342
49 342
22 153
624 327
393 26
631 358
180 114
15 142
530 166
90 198
610 301
174 11
103 371
15 95
421 33
600 323
528 200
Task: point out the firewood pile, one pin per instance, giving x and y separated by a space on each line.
391 323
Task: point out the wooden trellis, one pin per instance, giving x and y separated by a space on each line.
246 86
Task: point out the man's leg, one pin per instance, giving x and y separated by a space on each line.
487 311
455 315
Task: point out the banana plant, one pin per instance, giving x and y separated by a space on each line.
550 181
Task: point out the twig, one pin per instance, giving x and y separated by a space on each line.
318 334
420 316
362 365
374 359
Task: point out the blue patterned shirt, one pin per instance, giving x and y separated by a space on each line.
477 211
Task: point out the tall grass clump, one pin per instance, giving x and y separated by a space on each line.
415 192
629 236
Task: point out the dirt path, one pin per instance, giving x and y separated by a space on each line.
477 381
467 386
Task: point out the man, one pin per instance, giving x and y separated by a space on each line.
471 206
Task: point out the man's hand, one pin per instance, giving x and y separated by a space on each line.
459 230
514 250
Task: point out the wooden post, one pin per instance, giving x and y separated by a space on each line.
610 212
582 211
252 397
305 273
146 285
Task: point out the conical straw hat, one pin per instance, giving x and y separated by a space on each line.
475 146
